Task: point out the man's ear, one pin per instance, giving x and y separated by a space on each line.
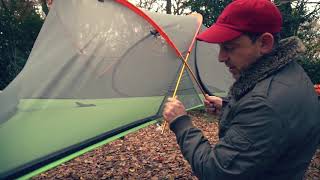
266 43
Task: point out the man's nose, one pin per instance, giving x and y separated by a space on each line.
223 55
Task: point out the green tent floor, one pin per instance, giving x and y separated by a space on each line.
43 127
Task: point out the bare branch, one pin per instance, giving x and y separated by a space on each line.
4 5
44 6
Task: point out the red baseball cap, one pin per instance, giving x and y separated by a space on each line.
255 16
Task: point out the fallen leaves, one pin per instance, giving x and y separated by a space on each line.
145 154
313 171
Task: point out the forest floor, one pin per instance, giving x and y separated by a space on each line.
144 154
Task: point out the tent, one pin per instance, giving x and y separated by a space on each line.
99 70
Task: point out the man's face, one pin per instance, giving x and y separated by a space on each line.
238 54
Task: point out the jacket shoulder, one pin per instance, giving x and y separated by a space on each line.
289 92
285 85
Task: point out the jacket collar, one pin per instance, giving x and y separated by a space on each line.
267 65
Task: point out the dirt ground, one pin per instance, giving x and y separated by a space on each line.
145 154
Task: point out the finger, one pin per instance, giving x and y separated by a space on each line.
212 98
211 110
168 115
217 101
178 103
165 116
167 105
207 102
175 102
170 99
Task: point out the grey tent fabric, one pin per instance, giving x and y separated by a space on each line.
96 69
214 75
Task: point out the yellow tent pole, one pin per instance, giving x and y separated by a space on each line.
177 86
185 64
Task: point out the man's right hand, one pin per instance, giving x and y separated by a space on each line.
49 3
213 104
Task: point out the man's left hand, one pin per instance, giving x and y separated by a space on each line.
49 3
173 109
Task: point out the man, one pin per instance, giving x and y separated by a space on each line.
270 123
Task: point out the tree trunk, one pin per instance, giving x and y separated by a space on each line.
168 7
44 6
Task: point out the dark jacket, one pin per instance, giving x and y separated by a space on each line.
269 129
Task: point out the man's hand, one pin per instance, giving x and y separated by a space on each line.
213 104
49 3
173 109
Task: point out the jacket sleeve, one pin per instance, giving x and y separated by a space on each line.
249 146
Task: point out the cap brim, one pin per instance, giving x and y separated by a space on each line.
218 34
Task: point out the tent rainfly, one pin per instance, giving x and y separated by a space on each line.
98 70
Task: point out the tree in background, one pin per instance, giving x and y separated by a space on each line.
45 5
150 5
19 26
300 18
209 9
21 22
176 7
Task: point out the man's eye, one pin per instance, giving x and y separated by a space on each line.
229 49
